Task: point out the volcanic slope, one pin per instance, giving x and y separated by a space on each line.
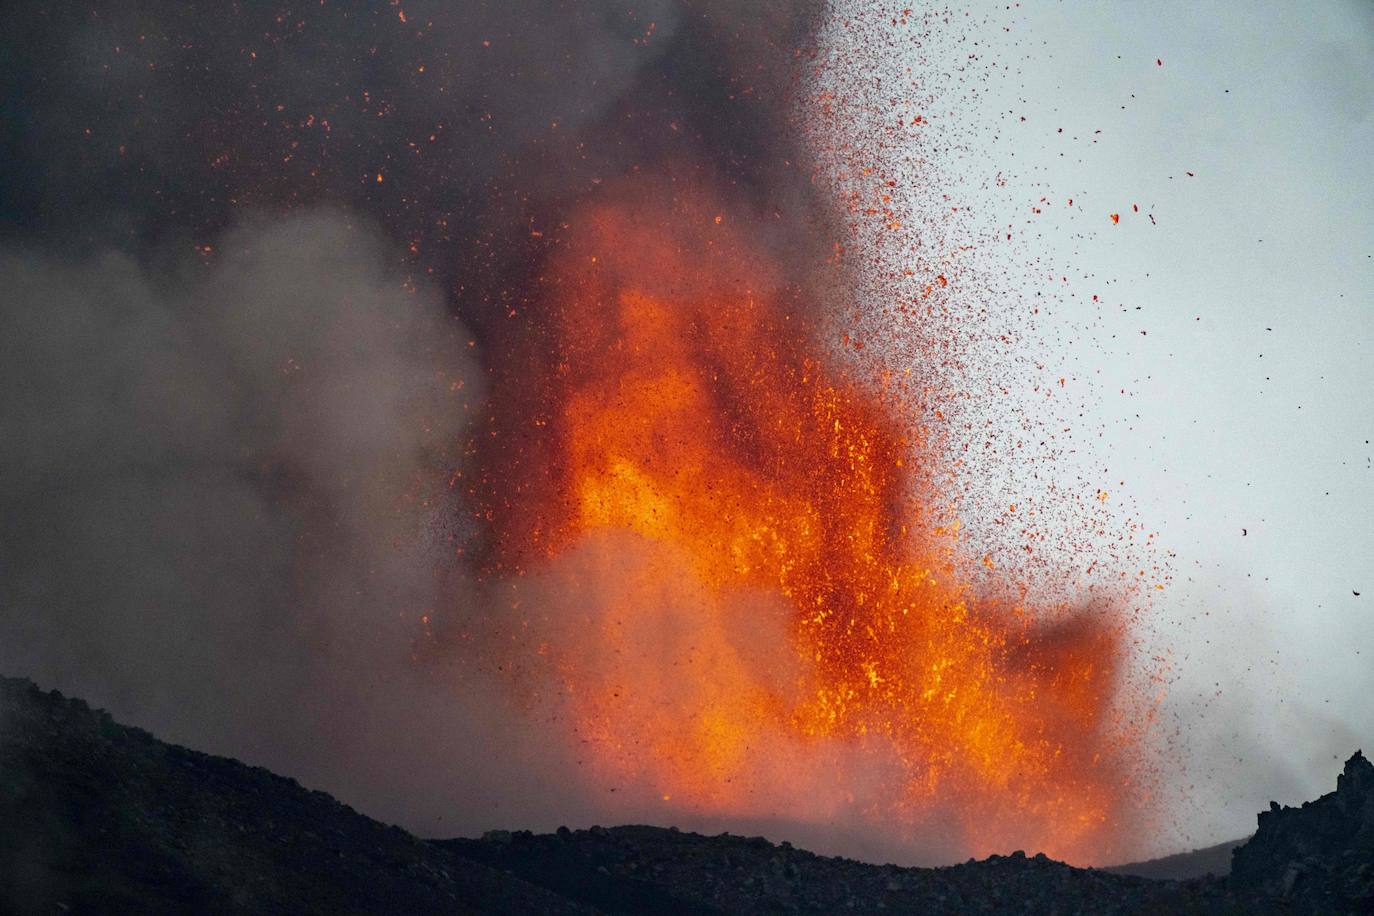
1211 860
96 817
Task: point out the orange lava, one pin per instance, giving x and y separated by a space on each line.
725 555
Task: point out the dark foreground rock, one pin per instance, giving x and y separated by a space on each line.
1320 857
689 873
99 818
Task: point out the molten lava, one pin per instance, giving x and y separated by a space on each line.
727 573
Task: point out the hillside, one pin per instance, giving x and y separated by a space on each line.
96 817
1210 860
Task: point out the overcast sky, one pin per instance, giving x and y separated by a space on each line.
1241 419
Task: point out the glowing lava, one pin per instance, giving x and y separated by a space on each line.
724 562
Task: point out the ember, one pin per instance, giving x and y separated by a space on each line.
724 566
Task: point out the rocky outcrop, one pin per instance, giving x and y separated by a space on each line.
1319 857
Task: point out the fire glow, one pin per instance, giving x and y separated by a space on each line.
726 573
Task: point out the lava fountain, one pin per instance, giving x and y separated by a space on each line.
725 573
718 561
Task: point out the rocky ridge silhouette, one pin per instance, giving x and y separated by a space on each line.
97 817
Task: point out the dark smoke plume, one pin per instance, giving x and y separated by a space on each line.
261 266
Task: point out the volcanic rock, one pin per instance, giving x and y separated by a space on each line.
1319 857
96 817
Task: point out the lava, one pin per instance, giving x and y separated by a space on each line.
727 575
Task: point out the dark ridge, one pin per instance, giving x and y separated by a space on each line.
1210 860
96 817
1319 856
750 875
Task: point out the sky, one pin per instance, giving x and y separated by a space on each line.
1227 369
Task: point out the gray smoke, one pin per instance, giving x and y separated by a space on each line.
225 508
229 446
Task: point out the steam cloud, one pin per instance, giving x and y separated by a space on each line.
255 266
226 512
211 480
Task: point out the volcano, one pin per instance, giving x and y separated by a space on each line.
538 413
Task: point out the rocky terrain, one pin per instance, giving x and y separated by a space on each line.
1318 857
96 817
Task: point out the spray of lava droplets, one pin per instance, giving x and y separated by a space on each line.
727 317
724 563
727 564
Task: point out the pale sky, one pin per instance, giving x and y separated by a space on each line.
1241 420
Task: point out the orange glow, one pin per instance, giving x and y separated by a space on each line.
761 610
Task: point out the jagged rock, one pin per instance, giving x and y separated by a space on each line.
1316 857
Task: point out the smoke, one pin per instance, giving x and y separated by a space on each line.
227 516
262 267
466 132
211 476
272 279
1240 747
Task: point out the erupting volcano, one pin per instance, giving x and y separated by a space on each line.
523 366
723 562
836 423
